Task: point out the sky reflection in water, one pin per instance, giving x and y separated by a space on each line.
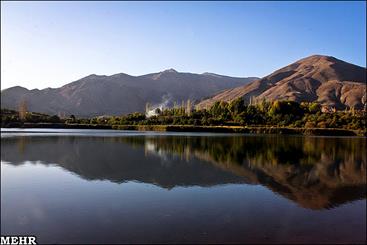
98 187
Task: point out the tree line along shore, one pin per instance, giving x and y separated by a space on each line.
276 117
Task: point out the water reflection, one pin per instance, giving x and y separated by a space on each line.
314 172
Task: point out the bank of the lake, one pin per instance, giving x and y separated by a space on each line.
192 128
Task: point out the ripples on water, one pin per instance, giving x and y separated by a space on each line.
118 186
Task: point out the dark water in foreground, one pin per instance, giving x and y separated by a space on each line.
105 186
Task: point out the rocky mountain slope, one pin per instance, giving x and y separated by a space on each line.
324 79
96 95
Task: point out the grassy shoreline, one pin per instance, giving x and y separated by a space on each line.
192 128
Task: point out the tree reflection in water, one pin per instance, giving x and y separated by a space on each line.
314 172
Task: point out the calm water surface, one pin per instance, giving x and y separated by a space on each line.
100 186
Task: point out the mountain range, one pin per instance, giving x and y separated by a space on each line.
118 94
317 78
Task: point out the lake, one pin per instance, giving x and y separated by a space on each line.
104 186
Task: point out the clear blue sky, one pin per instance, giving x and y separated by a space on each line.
49 44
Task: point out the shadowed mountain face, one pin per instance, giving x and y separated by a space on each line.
323 79
315 173
119 94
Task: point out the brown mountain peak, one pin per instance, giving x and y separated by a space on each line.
324 79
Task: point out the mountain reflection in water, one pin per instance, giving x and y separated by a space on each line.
314 172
